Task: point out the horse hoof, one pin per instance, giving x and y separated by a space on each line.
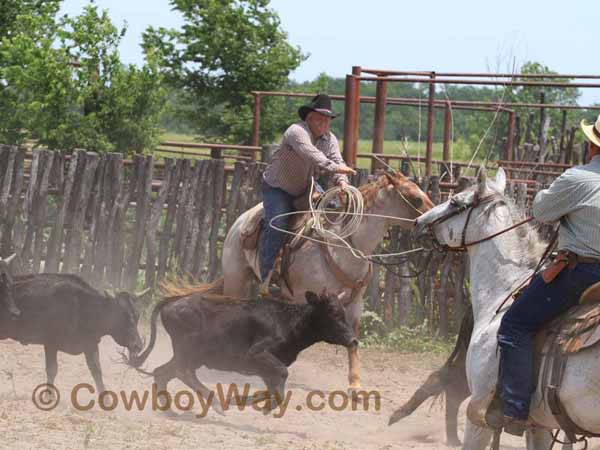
396 417
454 443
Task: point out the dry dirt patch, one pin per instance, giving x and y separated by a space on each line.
395 376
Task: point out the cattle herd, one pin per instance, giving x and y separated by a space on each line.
64 313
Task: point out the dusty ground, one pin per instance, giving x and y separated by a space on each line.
323 367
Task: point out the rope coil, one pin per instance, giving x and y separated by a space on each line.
354 210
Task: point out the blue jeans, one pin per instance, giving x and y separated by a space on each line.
275 201
538 304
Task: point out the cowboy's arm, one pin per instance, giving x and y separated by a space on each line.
558 200
333 153
299 139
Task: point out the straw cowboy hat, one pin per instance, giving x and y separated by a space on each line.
320 103
592 132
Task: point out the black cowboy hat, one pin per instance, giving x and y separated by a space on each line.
320 103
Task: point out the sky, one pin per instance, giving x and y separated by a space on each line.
450 36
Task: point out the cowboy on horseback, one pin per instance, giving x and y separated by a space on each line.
573 199
307 146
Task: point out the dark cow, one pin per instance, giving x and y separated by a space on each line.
7 298
63 312
251 337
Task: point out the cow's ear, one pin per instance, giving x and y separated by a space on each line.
312 298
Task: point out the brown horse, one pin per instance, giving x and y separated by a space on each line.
311 269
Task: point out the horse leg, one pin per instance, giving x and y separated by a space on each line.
353 313
354 362
453 401
476 438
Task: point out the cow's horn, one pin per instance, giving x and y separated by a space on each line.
142 293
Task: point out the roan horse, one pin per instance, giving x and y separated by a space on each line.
497 267
390 195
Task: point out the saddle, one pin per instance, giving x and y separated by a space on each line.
301 225
251 229
576 330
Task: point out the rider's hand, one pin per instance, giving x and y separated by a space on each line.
345 170
343 190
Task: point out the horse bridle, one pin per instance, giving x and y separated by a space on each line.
463 244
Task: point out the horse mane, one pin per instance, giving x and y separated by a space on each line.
370 190
178 287
531 246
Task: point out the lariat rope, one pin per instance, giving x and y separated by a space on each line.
348 220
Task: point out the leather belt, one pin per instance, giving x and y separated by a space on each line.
565 258
575 259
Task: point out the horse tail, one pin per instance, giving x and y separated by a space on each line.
462 341
178 288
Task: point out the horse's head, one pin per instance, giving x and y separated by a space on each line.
447 223
398 195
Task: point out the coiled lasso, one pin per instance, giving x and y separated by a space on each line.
346 222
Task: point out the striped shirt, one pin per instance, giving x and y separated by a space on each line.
300 156
574 199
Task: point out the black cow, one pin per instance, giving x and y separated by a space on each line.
63 312
251 337
7 299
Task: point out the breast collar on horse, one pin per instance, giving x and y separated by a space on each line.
343 278
463 244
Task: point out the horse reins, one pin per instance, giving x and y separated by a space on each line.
463 244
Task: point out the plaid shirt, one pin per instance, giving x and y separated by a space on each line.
300 156
574 199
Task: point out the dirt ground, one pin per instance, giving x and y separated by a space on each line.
395 376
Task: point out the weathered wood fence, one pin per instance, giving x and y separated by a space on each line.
127 224
119 224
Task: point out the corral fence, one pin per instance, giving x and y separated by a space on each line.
127 224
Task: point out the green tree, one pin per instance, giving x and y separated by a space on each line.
226 49
10 10
34 76
64 85
554 95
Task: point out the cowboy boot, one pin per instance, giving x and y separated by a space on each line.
263 289
267 290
